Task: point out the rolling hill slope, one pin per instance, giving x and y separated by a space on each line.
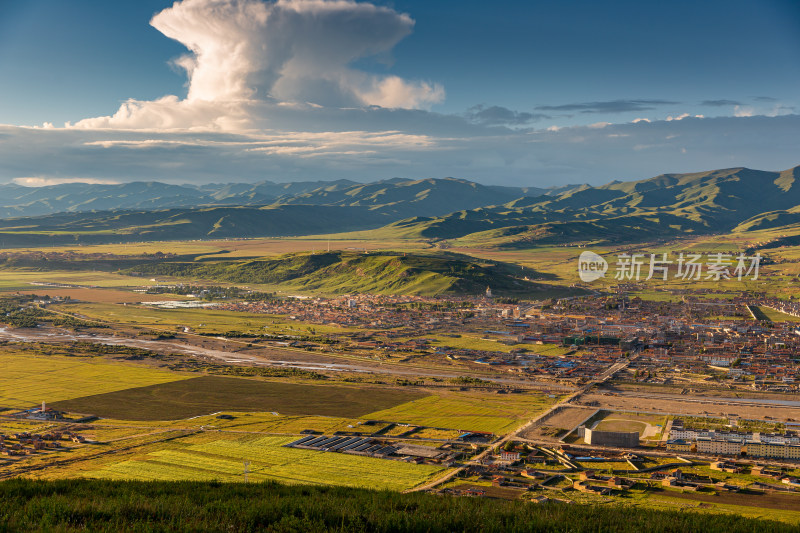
349 273
670 204
399 197
178 224
424 197
736 199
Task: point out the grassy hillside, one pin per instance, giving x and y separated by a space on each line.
670 204
737 199
400 197
350 272
80 505
613 229
184 224
403 198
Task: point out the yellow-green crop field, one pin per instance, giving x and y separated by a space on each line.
467 411
230 248
27 379
21 280
777 316
471 342
201 320
291 425
224 459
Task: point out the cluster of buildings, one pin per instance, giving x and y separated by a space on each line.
751 444
693 335
411 313
683 334
21 444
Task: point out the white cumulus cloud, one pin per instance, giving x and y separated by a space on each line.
246 56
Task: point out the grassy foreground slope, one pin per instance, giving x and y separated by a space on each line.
80 505
347 272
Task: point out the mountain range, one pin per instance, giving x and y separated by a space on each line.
397 196
735 199
461 211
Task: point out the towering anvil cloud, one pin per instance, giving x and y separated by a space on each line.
247 56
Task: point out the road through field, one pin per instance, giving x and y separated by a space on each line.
267 356
514 435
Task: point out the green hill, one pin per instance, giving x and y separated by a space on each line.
704 202
179 224
735 199
613 229
349 273
403 198
399 197
101 505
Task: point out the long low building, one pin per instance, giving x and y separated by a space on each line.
776 451
723 447
755 444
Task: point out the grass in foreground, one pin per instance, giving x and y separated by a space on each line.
194 506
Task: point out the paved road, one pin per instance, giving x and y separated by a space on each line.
514 435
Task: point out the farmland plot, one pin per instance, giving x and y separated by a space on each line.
268 460
467 412
28 379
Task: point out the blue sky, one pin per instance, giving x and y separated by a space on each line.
527 93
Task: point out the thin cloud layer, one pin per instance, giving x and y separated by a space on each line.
612 106
720 103
249 52
502 116
490 155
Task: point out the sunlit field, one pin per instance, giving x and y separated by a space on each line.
27 379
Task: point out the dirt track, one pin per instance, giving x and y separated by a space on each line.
693 406
237 352
566 418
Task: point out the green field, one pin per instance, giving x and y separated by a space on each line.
200 320
470 342
621 425
21 280
208 394
27 379
648 426
290 425
774 315
223 460
467 411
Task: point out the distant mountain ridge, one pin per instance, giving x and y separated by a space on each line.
399 197
186 224
466 213
737 199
